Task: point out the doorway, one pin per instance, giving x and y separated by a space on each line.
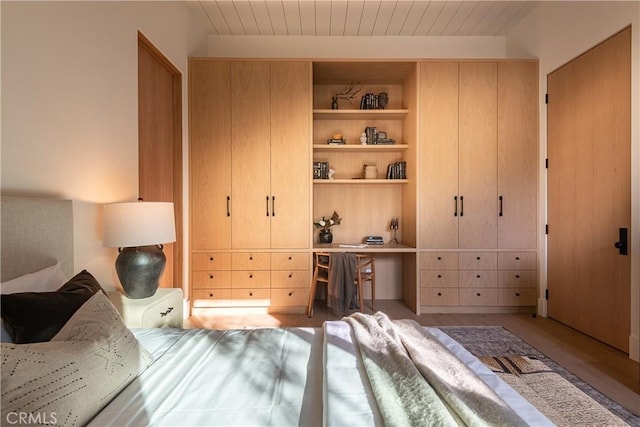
589 191
160 144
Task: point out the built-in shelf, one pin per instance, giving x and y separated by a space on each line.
329 114
359 181
360 147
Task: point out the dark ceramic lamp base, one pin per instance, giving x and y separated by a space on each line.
139 270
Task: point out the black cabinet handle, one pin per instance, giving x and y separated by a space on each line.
517 276
211 276
461 206
250 276
455 204
477 276
267 205
273 205
439 276
439 258
228 206
517 294
478 294
290 275
290 293
210 295
250 294
439 294
210 258
500 199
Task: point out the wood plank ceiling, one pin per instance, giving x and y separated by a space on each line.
364 17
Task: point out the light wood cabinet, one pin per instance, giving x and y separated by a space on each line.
478 169
250 173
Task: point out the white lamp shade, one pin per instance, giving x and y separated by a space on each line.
134 224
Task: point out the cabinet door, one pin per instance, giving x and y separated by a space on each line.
290 158
250 122
439 155
517 154
210 153
478 218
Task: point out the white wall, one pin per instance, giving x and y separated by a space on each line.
556 33
70 104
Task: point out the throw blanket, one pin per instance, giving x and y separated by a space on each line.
417 381
342 276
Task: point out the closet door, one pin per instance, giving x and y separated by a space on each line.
439 155
517 155
290 146
478 199
250 154
210 154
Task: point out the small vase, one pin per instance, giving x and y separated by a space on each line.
334 104
325 236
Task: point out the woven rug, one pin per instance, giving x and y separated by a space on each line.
563 397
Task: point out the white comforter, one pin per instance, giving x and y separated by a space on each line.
225 378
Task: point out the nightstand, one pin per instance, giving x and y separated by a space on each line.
162 310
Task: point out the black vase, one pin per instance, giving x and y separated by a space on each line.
325 236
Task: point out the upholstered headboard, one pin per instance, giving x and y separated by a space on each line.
36 233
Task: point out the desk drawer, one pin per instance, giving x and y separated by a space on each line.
291 297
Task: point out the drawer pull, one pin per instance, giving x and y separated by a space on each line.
290 258
290 275
164 313
517 294
211 276
250 276
251 258
439 258
210 295
439 276
517 258
517 276
250 294
478 294
290 293
210 258
439 294
477 276
478 258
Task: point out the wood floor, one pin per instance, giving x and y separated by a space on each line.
608 370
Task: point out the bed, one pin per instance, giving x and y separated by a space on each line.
93 370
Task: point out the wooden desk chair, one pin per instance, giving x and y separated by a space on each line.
320 274
365 272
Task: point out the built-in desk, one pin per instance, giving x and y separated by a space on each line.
396 274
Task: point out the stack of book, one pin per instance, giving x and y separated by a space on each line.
320 170
397 170
373 240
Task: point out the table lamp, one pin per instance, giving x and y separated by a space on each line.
138 230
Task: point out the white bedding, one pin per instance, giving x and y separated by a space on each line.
348 399
230 378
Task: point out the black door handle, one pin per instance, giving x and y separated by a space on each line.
622 243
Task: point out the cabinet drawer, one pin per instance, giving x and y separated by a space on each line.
478 296
211 279
439 260
517 261
250 279
211 261
290 279
439 278
478 261
250 261
479 278
438 296
289 297
517 297
290 261
211 297
251 297
517 279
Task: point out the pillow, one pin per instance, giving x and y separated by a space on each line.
47 279
37 316
67 380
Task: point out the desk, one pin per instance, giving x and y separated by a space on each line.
387 247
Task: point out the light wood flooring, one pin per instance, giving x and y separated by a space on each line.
608 370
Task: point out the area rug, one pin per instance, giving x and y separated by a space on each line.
563 397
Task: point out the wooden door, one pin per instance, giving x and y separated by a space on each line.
478 204
210 153
438 155
250 154
589 194
160 143
290 147
517 155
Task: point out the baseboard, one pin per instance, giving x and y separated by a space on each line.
634 348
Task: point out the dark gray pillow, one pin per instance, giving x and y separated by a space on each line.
37 316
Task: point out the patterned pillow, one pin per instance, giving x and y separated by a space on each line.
67 380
